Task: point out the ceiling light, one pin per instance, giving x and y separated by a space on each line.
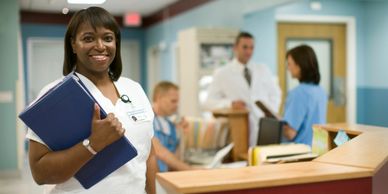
316 5
85 1
65 10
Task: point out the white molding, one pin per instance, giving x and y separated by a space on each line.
134 65
175 62
30 42
350 23
152 73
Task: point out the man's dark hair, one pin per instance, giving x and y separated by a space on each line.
243 35
96 17
304 56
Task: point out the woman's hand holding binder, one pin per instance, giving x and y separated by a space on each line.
104 131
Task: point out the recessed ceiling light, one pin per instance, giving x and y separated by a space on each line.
65 10
85 1
316 5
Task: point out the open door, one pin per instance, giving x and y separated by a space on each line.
329 44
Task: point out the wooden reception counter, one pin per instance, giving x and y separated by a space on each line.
359 166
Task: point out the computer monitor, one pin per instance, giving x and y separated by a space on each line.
270 131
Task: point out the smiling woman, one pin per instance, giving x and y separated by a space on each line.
92 52
92 36
95 49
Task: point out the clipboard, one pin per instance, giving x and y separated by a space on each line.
268 112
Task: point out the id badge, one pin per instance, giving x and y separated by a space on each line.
137 115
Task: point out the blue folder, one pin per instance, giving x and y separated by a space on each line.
62 118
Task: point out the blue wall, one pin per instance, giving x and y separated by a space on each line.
372 94
9 22
371 58
372 106
262 25
337 8
371 30
376 38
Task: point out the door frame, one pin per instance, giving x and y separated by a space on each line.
153 68
350 23
135 59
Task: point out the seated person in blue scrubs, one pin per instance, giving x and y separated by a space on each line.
166 141
306 104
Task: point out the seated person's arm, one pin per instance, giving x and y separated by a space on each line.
289 132
163 154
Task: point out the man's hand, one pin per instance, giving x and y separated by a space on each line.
182 124
238 104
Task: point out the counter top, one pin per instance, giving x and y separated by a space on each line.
361 157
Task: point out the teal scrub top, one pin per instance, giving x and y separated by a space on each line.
305 105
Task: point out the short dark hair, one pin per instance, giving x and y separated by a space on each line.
304 56
96 17
162 88
243 34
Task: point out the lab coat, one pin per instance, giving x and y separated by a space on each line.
229 85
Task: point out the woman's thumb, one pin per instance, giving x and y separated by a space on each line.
96 114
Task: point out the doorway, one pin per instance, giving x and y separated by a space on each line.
329 44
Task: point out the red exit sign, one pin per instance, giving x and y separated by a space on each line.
132 19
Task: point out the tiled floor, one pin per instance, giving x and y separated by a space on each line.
22 185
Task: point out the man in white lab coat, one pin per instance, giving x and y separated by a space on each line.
240 83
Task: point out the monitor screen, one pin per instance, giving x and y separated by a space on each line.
270 131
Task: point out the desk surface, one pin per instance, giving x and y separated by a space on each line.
360 157
353 129
258 176
369 150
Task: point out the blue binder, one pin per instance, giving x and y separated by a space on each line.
62 118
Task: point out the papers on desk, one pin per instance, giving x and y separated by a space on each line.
210 161
279 153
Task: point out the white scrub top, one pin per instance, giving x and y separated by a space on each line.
131 177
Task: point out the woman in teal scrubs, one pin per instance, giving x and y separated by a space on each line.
307 103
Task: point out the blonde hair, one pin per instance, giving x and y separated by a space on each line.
162 87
